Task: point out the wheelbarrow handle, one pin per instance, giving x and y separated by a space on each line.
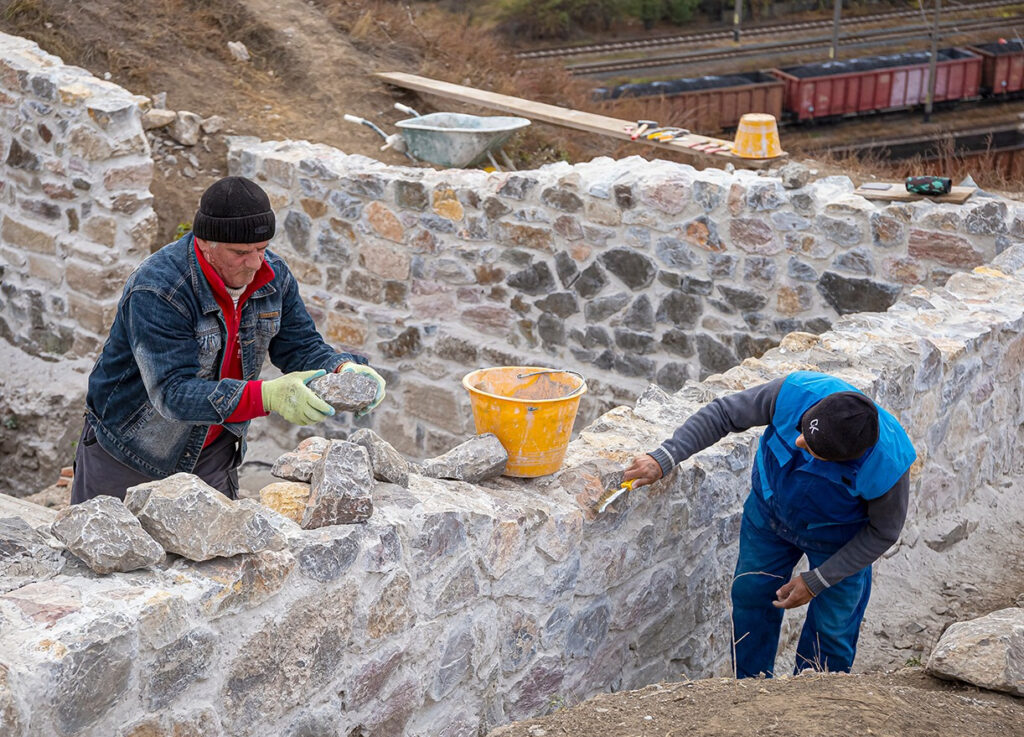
577 374
367 123
406 109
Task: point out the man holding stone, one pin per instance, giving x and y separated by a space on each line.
177 381
830 481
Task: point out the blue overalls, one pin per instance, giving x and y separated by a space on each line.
801 505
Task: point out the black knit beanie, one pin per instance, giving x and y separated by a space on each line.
841 427
234 210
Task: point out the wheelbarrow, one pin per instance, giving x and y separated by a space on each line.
451 140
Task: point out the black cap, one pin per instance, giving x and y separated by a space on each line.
234 210
841 427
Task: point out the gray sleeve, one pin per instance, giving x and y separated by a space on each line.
733 413
886 516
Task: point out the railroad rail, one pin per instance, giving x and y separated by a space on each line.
859 40
753 31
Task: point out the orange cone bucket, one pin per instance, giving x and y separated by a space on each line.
757 137
531 410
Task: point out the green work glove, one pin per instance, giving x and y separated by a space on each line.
293 400
350 367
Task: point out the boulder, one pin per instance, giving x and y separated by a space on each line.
481 457
987 652
340 487
192 519
104 535
185 128
387 463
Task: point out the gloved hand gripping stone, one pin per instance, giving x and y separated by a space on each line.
347 391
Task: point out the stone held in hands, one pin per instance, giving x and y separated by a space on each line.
192 519
346 392
479 458
104 535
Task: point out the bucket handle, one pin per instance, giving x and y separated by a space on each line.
582 378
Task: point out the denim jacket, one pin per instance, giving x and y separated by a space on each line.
154 391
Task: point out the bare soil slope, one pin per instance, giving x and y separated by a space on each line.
311 61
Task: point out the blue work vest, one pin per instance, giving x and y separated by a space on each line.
807 493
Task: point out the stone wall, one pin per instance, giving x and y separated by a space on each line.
459 607
75 207
629 271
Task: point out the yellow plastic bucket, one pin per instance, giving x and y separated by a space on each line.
757 137
531 409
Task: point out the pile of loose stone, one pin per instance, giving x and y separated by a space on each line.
331 482
327 482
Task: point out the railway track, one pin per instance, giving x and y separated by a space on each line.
856 40
754 31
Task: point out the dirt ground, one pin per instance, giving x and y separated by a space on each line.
907 703
312 62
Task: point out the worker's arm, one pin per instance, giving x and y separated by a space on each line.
732 413
886 516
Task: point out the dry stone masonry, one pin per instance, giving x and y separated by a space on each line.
76 213
633 272
454 607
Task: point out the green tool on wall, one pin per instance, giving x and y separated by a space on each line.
929 185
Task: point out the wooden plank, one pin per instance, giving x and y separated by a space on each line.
898 193
568 118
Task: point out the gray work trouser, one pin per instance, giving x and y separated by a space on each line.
97 472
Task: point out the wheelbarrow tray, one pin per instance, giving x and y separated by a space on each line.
457 140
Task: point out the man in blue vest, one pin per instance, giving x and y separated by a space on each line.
830 481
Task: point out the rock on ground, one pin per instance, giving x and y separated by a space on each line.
986 652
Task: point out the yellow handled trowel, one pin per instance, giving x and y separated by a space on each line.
612 494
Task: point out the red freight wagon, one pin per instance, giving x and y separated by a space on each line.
701 103
1002 66
875 83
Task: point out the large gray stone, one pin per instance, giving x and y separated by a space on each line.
192 519
986 652
346 392
481 457
340 487
387 463
105 536
25 555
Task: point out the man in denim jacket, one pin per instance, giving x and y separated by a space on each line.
177 382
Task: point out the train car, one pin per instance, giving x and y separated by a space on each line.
1002 66
877 83
705 104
